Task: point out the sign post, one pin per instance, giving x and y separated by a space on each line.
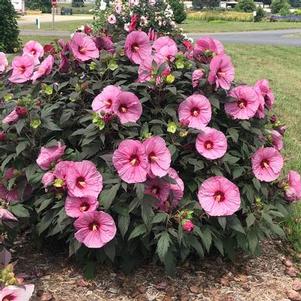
53 6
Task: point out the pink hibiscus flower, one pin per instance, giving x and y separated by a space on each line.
83 47
11 118
84 180
205 48
267 164
221 72
219 197
165 48
60 173
104 42
260 111
17 293
34 49
158 155
95 229
112 19
195 111
130 161
103 102
157 188
293 189
266 92
49 155
196 76
3 62
137 46
75 207
245 103
277 140
23 67
48 179
44 69
176 189
5 215
127 107
211 143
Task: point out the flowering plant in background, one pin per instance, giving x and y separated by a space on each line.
141 147
148 16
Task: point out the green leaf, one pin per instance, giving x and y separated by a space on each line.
138 231
235 224
222 221
252 240
206 238
233 134
21 147
160 217
89 270
147 212
163 245
139 190
110 250
250 220
197 246
219 245
107 196
123 224
74 246
19 210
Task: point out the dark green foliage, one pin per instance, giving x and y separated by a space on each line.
78 3
9 37
260 14
43 5
247 6
178 8
277 5
199 4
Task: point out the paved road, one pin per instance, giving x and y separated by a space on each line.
291 37
30 19
287 37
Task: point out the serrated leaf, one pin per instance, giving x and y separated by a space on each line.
163 245
107 196
250 220
138 231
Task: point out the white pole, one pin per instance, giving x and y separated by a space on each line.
53 17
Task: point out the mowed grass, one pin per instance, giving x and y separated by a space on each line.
58 26
227 26
41 39
282 67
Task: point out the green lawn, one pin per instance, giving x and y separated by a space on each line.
41 39
62 25
228 26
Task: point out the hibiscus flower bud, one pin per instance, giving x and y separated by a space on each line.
171 127
188 226
2 136
21 111
273 119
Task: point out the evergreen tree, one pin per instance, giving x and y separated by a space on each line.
9 38
178 8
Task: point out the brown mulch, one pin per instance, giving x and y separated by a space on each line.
264 278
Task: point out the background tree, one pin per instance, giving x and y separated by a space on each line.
295 3
78 3
43 5
179 11
246 6
199 4
260 14
277 5
9 38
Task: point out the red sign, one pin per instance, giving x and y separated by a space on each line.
54 3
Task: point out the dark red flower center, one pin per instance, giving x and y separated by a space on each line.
82 50
195 112
80 182
221 73
219 196
94 226
208 144
84 207
134 160
9 297
242 103
108 103
22 69
135 47
155 190
123 109
265 163
152 157
33 51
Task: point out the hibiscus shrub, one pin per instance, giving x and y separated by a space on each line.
141 148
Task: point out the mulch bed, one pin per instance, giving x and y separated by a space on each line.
270 276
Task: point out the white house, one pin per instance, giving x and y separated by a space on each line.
19 5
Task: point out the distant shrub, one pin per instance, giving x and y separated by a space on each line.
179 11
260 14
9 40
277 5
247 6
284 11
